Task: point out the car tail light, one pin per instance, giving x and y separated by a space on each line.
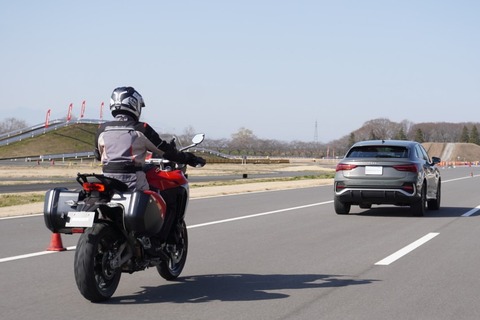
406 167
345 166
89 187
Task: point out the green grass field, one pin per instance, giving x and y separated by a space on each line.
70 139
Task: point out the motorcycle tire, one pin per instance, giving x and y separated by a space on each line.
172 268
95 278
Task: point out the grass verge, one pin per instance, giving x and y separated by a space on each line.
7 200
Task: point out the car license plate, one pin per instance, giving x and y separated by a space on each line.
374 170
77 219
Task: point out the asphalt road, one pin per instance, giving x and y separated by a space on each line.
274 255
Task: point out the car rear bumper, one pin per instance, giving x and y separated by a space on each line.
376 196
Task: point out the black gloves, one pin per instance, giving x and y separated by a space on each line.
167 146
195 161
171 153
184 157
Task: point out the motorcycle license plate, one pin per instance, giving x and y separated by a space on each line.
77 219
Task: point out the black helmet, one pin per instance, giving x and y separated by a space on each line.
126 100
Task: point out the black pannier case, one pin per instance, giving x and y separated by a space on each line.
144 212
58 202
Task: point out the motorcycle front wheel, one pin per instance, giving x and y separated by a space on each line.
170 269
95 277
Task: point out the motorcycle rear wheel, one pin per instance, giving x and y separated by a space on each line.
95 278
172 268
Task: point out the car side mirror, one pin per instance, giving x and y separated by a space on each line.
435 160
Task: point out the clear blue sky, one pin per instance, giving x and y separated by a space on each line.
274 67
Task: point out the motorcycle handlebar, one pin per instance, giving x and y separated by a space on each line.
196 140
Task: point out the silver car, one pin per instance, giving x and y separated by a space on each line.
392 172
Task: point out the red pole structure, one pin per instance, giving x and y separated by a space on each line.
69 114
101 111
47 119
82 112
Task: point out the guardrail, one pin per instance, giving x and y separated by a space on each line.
53 157
39 129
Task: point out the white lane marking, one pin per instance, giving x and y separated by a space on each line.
405 250
23 256
22 216
35 254
470 212
257 215
461 178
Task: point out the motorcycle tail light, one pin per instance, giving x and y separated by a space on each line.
90 186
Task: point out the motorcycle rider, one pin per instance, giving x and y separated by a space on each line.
122 145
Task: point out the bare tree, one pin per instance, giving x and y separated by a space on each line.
12 124
243 141
187 135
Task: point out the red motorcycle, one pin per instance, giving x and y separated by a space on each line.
123 231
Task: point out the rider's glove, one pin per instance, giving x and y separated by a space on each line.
167 146
195 161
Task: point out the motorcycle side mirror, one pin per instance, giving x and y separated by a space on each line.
198 138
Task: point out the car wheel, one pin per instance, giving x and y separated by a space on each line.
420 206
434 204
341 207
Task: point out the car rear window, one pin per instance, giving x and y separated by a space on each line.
378 152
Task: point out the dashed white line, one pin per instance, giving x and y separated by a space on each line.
30 255
405 250
257 215
470 212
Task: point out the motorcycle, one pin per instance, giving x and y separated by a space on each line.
123 231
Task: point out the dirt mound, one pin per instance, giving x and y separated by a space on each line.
454 152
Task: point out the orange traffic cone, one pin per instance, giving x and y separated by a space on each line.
56 243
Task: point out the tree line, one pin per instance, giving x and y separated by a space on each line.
245 143
12 124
